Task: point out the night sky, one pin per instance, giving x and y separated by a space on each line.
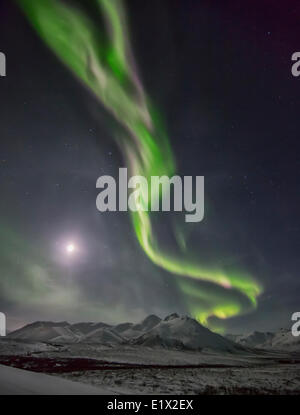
220 74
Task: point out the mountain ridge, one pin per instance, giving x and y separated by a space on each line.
173 331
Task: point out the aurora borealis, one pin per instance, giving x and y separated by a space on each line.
108 72
96 46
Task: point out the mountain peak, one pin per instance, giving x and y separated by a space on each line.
148 323
171 317
184 332
151 318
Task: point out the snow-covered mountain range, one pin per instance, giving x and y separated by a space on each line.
172 332
179 332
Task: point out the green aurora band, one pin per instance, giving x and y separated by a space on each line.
104 63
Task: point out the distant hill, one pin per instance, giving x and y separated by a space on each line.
280 340
47 331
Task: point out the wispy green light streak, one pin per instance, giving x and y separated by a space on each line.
107 69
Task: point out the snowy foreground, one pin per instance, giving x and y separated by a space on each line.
174 355
216 373
22 382
119 371
254 381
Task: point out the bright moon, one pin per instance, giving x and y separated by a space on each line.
70 248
